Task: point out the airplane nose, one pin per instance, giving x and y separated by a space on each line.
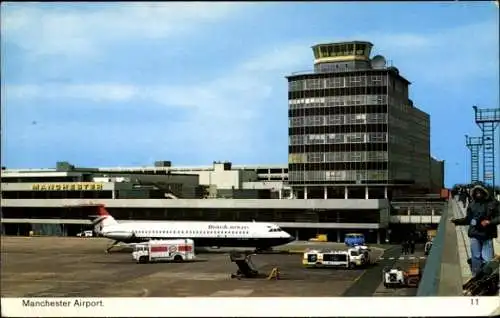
291 238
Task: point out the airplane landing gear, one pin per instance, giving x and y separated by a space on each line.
110 247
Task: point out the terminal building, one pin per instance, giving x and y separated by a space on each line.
359 161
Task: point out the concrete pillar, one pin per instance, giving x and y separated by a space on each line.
113 194
338 236
325 193
378 236
366 193
280 194
296 235
432 212
305 193
409 211
346 193
385 193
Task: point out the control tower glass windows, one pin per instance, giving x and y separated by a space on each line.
360 49
350 49
324 51
316 52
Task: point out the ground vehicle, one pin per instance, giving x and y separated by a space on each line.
413 275
328 258
319 238
360 256
164 250
394 277
85 234
353 239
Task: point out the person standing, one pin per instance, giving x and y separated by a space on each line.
404 247
482 217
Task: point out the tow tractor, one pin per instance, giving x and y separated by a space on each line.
358 256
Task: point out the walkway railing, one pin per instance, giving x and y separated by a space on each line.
429 285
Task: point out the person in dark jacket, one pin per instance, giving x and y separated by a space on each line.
412 245
404 247
483 217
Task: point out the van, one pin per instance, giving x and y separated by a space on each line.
354 239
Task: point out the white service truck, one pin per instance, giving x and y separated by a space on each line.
164 251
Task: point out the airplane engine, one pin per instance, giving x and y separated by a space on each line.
119 235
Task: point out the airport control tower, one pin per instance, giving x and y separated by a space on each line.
353 131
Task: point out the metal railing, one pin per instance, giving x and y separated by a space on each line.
431 278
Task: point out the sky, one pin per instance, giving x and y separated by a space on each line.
117 84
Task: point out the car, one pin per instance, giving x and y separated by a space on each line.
85 234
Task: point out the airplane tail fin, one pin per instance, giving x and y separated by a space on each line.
102 219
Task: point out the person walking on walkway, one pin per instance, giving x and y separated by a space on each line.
412 245
404 247
482 217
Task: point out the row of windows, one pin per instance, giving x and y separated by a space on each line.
190 232
332 101
337 82
317 139
347 156
332 120
340 175
341 50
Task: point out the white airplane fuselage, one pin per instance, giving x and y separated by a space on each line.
204 234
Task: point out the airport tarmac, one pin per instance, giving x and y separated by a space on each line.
72 267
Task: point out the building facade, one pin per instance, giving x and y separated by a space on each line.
353 131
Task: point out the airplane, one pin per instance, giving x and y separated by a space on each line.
258 235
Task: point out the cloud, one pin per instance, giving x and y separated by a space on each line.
222 115
456 55
75 31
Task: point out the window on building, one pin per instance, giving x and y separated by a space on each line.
356 156
356 137
338 81
315 157
335 138
377 137
360 118
356 79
